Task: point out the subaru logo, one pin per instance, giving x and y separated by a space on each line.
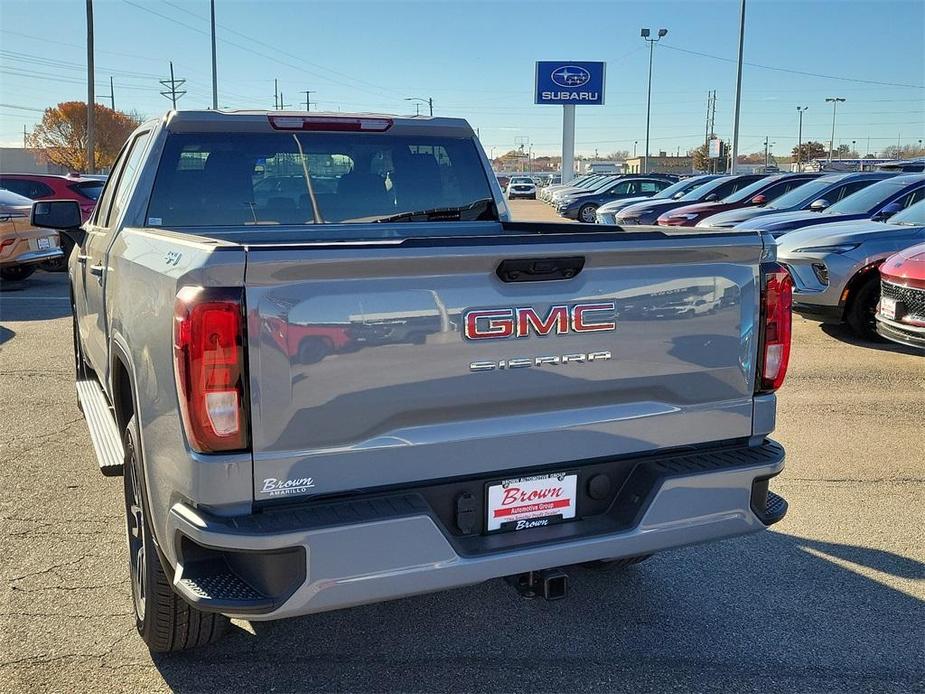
571 76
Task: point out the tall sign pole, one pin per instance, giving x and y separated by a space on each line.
568 84
568 142
91 96
738 104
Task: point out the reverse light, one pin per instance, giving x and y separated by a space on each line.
330 123
208 340
775 327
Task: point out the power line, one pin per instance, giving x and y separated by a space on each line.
250 50
797 72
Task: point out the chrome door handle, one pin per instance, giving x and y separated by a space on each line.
82 259
96 270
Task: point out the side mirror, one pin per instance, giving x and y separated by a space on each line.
61 215
818 205
758 199
711 198
678 196
888 211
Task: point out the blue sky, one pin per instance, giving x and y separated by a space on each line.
476 60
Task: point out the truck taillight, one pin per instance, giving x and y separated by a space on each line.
775 327
208 350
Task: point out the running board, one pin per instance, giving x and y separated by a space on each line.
103 431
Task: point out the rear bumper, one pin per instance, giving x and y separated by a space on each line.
29 257
332 555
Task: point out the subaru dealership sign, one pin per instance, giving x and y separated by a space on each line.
566 82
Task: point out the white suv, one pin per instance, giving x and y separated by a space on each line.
521 187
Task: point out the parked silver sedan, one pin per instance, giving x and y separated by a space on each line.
834 266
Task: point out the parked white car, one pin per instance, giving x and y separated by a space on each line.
521 187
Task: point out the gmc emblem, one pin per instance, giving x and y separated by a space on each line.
499 323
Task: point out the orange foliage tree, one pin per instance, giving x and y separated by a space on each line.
62 134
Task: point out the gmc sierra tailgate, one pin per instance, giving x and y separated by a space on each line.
377 365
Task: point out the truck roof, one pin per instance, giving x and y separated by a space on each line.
260 121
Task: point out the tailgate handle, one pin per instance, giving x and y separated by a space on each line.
540 269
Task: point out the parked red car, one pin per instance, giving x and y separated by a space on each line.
762 191
901 311
83 189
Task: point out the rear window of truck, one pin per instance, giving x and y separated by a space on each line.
225 179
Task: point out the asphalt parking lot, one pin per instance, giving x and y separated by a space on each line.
831 600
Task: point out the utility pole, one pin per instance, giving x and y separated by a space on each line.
800 110
738 103
91 97
24 136
834 100
282 104
275 94
308 103
767 156
112 94
645 33
172 90
706 123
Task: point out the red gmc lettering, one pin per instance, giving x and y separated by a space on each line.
491 324
486 325
557 318
581 323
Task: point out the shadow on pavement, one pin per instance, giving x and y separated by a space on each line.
844 334
762 613
43 296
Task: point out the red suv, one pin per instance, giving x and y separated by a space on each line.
83 189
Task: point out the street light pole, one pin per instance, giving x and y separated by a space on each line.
834 101
214 63
417 101
738 103
800 110
645 33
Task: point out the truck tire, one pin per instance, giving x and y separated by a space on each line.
862 309
16 273
163 619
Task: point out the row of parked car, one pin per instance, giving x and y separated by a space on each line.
24 248
834 232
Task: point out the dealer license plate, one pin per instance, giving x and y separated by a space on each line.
44 243
888 307
531 502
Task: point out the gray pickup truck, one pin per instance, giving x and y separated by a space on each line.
332 371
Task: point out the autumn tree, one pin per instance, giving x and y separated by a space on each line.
809 151
62 135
